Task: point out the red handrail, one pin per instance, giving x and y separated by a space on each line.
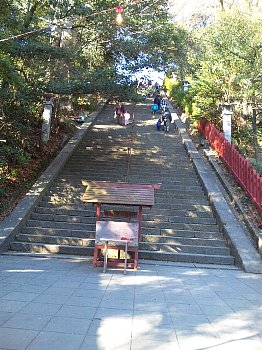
240 167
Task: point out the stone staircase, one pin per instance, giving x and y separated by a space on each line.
180 227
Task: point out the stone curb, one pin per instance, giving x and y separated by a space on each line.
255 234
11 225
242 249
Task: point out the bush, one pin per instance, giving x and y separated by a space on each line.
257 167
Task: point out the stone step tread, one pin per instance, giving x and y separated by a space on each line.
63 218
51 248
59 240
186 202
172 219
177 182
60 232
63 211
181 232
187 257
110 160
182 199
144 226
168 192
184 240
183 248
186 192
178 214
175 207
54 224
195 208
177 225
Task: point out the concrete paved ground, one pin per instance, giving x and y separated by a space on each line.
66 304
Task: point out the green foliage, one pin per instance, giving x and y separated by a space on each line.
10 156
178 96
224 65
66 49
257 167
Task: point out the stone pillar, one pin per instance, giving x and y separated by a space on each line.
227 117
47 117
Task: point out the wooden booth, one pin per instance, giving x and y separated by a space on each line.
118 229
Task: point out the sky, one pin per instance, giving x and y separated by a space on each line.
151 74
184 9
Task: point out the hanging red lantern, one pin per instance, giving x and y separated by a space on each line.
119 18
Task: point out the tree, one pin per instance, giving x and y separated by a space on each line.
67 49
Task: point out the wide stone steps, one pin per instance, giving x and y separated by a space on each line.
76 246
179 227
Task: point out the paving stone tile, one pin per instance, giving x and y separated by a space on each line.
16 339
239 304
20 296
157 319
112 332
103 313
83 301
27 321
124 304
188 309
51 299
29 288
43 282
59 291
156 330
194 340
148 342
4 316
88 293
254 297
56 341
100 286
216 310
11 305
66 284
160 306
186 320
68 325
92 342
216 301
77 311
8 287
40 308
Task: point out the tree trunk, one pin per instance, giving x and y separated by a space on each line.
222 5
